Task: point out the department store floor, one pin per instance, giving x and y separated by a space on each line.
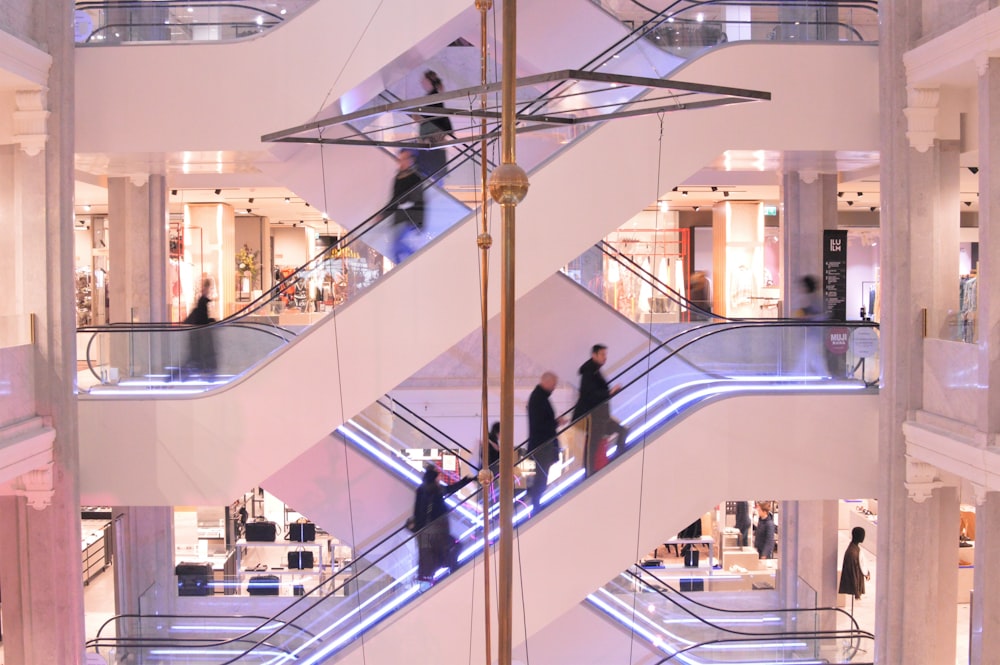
99 601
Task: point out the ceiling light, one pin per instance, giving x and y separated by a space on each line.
715 189
684 193
259 20
218 191
697 208
674 189
283 11
307 203
840 195
850 203
860 194
190 10
288 200
968 204
86 208
249 210
973 170
325 216
726 194
873 209
250 200
173 192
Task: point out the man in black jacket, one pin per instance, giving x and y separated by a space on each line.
542 442
593 399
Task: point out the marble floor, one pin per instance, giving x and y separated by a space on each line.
99 606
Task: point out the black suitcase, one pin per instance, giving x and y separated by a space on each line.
692 584
263 585
194 579
302 532
690 557
300 560
261 532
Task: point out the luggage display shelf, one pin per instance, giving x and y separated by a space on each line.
242 547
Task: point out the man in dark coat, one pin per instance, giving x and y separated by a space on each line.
593 399
542 442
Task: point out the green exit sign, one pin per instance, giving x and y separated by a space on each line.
770 211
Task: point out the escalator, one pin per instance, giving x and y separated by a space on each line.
680 628
695 435
336 369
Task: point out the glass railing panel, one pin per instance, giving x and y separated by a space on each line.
177 358
688 628
110 22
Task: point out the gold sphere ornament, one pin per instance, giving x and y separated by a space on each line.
484 5
484 240
508 184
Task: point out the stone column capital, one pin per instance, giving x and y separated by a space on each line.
36 486
921 116
30 120
921 479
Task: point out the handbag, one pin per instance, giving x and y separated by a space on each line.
300 560
302 531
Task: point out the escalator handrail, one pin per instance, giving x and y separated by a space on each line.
122 617
423 426
630 573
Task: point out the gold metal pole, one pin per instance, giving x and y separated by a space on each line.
508 187
485 241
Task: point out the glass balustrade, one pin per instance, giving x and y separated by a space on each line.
688 629
708 361
114 22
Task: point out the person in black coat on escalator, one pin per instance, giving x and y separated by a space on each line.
436 546
595 394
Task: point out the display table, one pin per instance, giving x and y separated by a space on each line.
704 540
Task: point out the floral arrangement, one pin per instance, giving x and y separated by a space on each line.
246 261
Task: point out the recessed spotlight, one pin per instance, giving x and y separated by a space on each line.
726 194
873 209
973 170
173 192
850 203
218 191
307 204
249 210
860 194
697 208
288 199
250 200
684 193
86 208
968 204
714 188
840 195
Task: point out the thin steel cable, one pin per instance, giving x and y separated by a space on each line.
340 398
649 351
350 56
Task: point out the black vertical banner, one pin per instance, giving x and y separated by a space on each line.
835 274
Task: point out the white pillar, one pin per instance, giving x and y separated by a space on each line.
809 206
988 279
985 620
137 217
40 557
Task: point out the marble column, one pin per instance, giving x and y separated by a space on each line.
985 620
737 257
809 205
917 570
988 279
40 560
137 218
144 563
818 553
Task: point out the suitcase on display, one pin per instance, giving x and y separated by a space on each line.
691 557
300 560
261 532
692 584
194 579
263 585
302 532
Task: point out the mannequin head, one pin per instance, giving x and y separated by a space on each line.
858 535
